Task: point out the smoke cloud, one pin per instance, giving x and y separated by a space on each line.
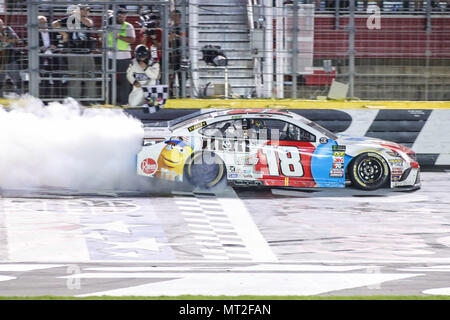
63 145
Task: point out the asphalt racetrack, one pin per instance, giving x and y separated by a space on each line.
325 242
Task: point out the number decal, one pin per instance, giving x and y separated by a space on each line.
288 161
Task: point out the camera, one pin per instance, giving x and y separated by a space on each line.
152 24
149 21
151 33
214 55
150 29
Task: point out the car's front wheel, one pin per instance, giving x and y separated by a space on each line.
204 170
369 171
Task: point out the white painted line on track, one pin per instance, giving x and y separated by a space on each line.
143 269
184 203
6 278
220 257
233 283
221 226
300 268
230 242
223 221
27 267
196 220
406 261
193 214
246 269
437 291
238 256
210 243
440 268
366 197
205 238
246 228
217 251
201 231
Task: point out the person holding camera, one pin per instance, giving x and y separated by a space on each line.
142 73
8 60
63 43
151 34
82 44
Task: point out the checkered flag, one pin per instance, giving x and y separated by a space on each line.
155 97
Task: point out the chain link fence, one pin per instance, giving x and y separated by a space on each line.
380 50
59 49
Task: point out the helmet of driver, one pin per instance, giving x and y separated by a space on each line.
258 124
141 52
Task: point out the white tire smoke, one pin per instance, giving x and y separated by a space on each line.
63 145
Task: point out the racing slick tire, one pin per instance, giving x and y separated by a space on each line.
369 171
205 170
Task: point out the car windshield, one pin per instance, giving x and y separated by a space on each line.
315 126
189 118
322 130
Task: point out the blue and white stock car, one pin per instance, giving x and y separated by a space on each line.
250 147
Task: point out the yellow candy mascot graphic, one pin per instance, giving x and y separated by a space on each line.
171 160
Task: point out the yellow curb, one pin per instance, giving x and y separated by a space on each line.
283 104
303 104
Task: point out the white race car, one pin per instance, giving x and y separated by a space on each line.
249 147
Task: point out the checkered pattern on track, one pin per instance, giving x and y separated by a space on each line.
208 221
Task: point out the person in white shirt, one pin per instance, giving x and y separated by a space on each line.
125 37
142 73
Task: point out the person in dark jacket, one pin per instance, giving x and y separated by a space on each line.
82 66
8 58
47 45
64 43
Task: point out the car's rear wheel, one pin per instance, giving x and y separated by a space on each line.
204 170
369 171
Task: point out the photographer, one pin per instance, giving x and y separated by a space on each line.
63 40
8 65
151 34
83 44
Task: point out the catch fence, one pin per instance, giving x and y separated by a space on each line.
371 50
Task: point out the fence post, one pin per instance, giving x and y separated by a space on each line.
183 47
351 58
105 67
165 44
336 15
295 50
114 59
194 47
279 74
268 49
428 13
33 49
427 51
